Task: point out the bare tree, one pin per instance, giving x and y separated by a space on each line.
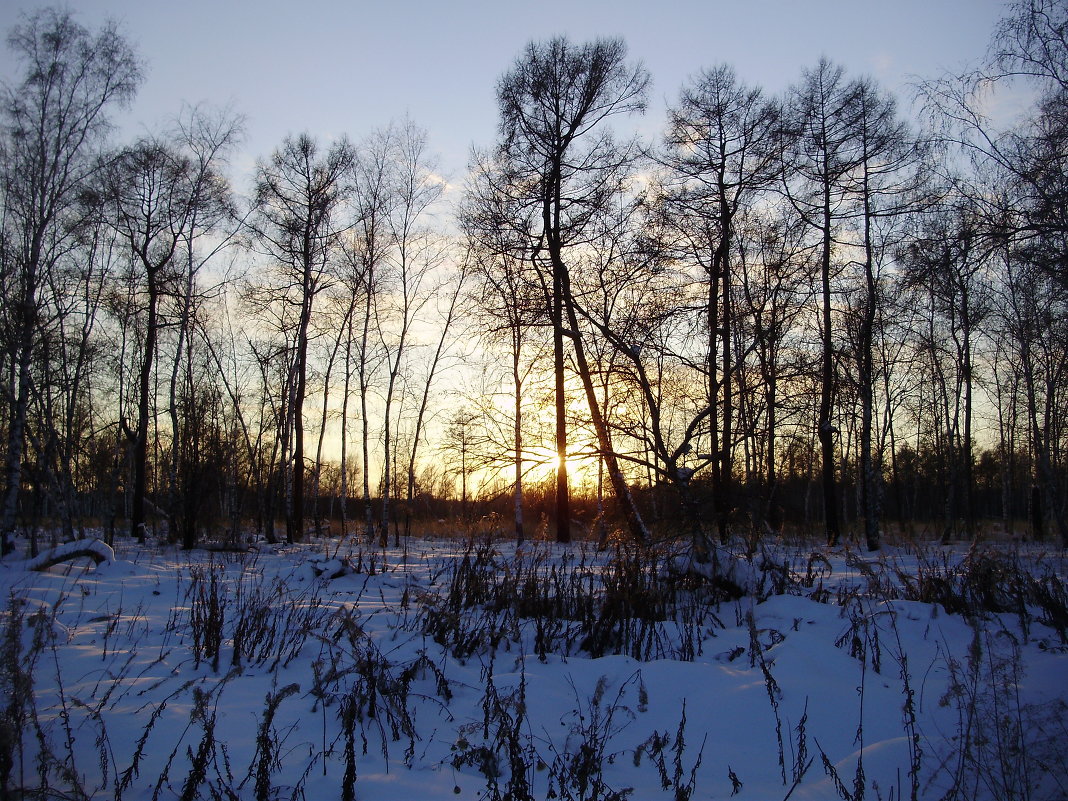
162 195
206 136
148 188
459 443
505 296
947 262
1029 44
53 120
299 221
775 262
890 178
1032 316
822 155
449 293
1031 41
563 165
415 254
62 415
644 359
722 149
364 271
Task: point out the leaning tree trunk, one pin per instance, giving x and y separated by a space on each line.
639 533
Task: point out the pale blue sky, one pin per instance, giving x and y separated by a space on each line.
348 67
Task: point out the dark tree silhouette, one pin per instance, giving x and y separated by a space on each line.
562 163
53 121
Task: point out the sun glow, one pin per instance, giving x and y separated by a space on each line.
542 464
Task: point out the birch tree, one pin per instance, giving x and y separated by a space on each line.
301 195
54 120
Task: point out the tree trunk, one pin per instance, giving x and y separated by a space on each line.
140 456
322 432
827 430
17 426
869 475
726 455
517 493
344 510
563 497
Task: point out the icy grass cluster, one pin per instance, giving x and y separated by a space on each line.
571 602
487 671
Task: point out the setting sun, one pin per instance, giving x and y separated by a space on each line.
541 464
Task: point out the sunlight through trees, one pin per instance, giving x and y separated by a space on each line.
797 312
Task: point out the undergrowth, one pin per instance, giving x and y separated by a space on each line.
575 602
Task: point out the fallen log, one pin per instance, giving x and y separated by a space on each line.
97 550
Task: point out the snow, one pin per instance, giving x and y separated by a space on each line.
785 691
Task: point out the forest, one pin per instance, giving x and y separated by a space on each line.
811 312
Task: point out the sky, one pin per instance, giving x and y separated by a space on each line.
330 67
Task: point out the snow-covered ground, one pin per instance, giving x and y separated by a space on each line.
440 670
